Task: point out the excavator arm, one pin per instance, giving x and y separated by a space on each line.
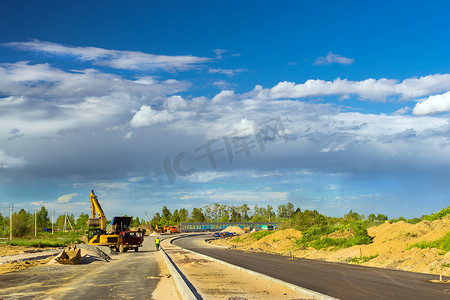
96 209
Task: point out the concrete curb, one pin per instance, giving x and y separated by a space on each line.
183 288
298 289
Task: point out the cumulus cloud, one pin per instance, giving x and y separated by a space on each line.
433 105
147 116
44 100
368 89
333 58
66 198
128 60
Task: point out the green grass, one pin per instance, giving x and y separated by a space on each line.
262 233
45 239
363 259
314 237
237 239
445 266
442 243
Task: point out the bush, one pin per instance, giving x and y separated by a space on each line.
442 243
315 237
260 234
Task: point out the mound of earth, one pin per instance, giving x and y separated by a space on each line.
235 229
388 249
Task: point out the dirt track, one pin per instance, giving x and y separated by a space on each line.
141 275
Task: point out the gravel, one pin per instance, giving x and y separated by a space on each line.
109 251
95 250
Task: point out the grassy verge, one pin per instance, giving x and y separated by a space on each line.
316 237
442 243
44 239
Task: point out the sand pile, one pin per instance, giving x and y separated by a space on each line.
281 241
235 229
387 250
345 233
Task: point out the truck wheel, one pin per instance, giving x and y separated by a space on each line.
125 249
136 249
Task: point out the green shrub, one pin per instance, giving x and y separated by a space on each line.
362 259
314 237
442 243
438 215
262 233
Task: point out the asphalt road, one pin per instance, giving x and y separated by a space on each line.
343 281
130 276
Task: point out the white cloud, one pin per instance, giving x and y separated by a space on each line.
112 185
66 198
147 116
402 111
128 60
207 176
368 89
333 58
433 105
224 96
219 52
229 72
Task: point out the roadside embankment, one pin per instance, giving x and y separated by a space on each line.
393 246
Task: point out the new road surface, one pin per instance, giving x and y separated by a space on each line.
338 280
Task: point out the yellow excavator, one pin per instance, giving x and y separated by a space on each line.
98 235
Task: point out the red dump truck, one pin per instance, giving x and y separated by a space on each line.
131 240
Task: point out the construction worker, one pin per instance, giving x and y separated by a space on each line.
157 243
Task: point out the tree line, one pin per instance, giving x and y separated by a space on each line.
24 222
243 213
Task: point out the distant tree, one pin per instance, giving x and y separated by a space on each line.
381 218
372 217
21 223
270 213
197 215
166 214
135 222
156 219
183 214
208 212
42 218
352 216
81 222
235 214
244 210
175 217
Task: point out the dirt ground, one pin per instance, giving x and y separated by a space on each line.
11 250
213 280
388 249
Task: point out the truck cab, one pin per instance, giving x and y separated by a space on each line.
131 240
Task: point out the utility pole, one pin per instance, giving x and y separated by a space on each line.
11 208
53 216
35 222
65 219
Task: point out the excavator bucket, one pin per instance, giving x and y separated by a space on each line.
70 256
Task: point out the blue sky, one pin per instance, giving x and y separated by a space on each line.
331 106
